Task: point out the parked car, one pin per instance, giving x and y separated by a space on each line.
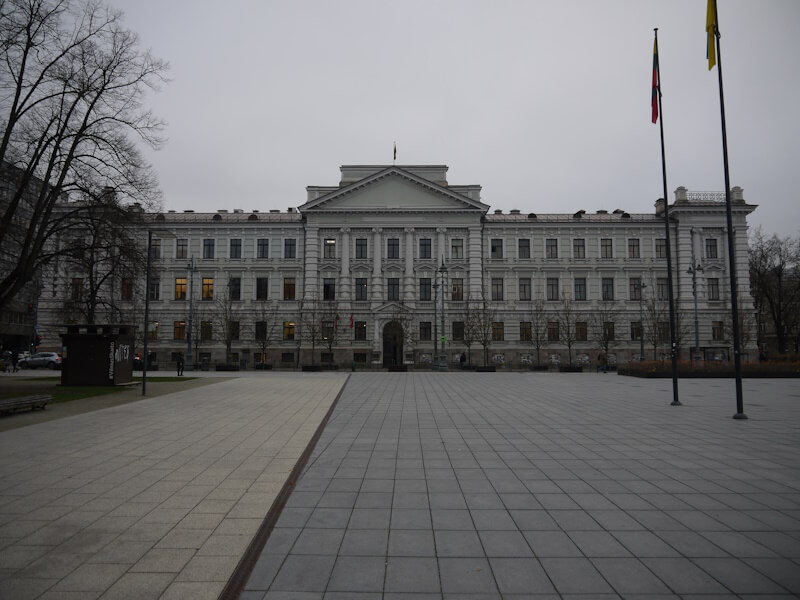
51 360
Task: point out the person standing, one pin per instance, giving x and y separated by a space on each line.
180 364
14 360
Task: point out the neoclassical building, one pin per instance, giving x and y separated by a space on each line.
357 274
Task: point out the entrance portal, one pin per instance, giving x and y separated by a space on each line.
392 344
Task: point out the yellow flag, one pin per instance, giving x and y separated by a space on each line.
711 21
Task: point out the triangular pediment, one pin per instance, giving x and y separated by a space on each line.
393 190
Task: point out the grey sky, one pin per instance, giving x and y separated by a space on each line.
545 104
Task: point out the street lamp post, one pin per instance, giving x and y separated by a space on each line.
189 354
147 310
642 285
693 271
443 354
435 365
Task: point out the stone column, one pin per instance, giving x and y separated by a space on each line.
408 278
345 287
312 264
376 295
474 255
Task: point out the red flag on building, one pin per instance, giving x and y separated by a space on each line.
351 320
654 99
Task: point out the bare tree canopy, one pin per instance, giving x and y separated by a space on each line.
74 83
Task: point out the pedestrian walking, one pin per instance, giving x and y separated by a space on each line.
180 364
14 360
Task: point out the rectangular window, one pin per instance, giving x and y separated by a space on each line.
288 332
290 248
525 289
288 357
206 331
179 330
580 289
127 288
552 331
497 288
361 289
155 289
235 288
208 288
262 248
361 248
458 330
663 331
581 331
236 248
524 248
608 330
425 289
552 288
606 248
152 333
661 248
457 287
77 289
182 248
636 330
262 288
180 288
393 288
288 288
328 289
234 330
551 248
713 288
608 288
662 288
635 288
425 248
525 331
717 330
327 330
497 248
393 248
457 249
329 248
360 330
208 248
261 331
155 248
425 331
498 331
579 248
711 248
633 248
360 358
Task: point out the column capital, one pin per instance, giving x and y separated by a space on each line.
344 230
409 230
377 230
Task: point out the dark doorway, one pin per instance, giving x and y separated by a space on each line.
392 344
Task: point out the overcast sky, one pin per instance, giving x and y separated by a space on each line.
546 104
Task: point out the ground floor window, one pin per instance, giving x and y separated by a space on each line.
287 357
360 358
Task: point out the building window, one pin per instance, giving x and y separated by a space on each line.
290 248
233 327
579 248
425 248
633 249
457 249
635 288
458 330
206 331
262 288
457 287
208 248
636 330
328 330
361 289
393 288
155 248
361 248
551 248
717 330
663 331
235 288
498 333
525 331
329 248
236 248
713 288
606 248
288 332
424 289
524 248
77 289
180 288
497 288
393 248
127 288
497 248
711 248
552 288
661 248
261 331
262 248
288 288
179 330
152 331
288 357
360 357
425 331
208 288
552 331
329 289
525 289
608 288
662 288
360 331
580 289
182 248
155 289
608 331
581 331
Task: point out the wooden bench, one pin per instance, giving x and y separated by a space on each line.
33 402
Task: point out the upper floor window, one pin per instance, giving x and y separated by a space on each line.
155 289
235 288
155 248
329 248
497 288
552 331
425 248
717 330
290 248
551 248
208 248
208 288
458 330
606 248
662 288
424 331
182 248
457 249
608 331
457 286
497 248
127 288
263 248
635 288
633 248
711 248
661 248
524 288
236 248
179 330
712 284
552 288
360 330
425 289
361 248
579 248
393 248
580 289
180 288
393 288
525 331
288 289
581 331
361 289
288 330
608 288
262 288
524 248
498 331
329 289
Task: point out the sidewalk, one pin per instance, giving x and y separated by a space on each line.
155 498
486 486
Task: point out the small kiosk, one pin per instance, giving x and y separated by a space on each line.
97 355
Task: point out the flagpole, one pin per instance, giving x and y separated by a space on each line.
737 359
673 353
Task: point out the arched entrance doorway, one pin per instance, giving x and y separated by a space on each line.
392 344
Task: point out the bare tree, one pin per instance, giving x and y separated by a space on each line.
604 320
228 319
538 327
74 82
567 317
266 328
329 327
471 329
311 325
484 317
656 324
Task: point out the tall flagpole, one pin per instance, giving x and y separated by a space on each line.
737 359
673 352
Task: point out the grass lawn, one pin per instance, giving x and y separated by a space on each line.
52 385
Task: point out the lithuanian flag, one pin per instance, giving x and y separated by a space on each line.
654 100
711 22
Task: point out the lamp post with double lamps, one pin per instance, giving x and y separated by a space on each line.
693 272
435 364
192 270
443 354
641 286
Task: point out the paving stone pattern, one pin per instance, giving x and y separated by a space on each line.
153 499
479 486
